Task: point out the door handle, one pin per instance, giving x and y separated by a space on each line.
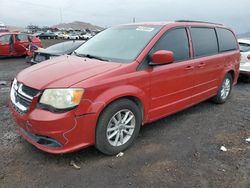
189 67
201 65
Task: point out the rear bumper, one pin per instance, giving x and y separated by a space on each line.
56 133
245 68
245 73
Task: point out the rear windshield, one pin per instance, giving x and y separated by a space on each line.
119 44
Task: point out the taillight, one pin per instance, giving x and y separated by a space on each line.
248 57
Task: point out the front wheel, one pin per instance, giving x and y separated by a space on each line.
225 90
118 126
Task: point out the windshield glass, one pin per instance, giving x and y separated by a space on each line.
120 44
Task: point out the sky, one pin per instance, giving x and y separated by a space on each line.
106 13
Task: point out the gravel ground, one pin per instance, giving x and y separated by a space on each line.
182 150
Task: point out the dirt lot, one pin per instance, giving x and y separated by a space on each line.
182 150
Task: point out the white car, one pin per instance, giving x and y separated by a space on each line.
65 36
245 59
60 35
73 36
87 36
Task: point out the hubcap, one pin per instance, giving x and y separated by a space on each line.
225 90
121 127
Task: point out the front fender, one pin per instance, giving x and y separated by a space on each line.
96 105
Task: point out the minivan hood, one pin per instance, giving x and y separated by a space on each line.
63 71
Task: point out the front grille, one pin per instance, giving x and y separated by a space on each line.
21 96
23 100
30 91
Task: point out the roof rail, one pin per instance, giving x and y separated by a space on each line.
197 22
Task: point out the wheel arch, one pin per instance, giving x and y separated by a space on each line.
232 73
111 95
132 98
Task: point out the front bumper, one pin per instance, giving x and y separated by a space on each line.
56 133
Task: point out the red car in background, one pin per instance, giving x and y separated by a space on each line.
17 44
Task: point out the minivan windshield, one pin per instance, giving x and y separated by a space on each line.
119 44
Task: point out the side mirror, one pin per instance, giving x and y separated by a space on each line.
162 57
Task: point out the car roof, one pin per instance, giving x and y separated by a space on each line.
10 33
177 23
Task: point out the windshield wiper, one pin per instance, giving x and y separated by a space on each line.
90 56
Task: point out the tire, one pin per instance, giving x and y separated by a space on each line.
113 137
225 90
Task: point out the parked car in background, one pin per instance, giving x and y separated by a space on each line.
245 59
121 79
60 35
36 34
55 50
73 36
65 36
86 36
16 44
47 35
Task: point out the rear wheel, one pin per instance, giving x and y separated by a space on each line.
225 90
118 126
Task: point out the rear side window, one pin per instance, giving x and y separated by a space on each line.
227 41
204 41
176 41
5 39
244 47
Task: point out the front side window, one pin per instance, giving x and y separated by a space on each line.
22 37
204 41
175 40
120 44
5 39
244 47
227 41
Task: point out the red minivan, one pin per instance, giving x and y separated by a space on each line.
16 44
121 79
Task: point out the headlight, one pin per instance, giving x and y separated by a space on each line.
62 98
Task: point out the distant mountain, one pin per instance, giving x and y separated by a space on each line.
15 28
78 25
244 35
